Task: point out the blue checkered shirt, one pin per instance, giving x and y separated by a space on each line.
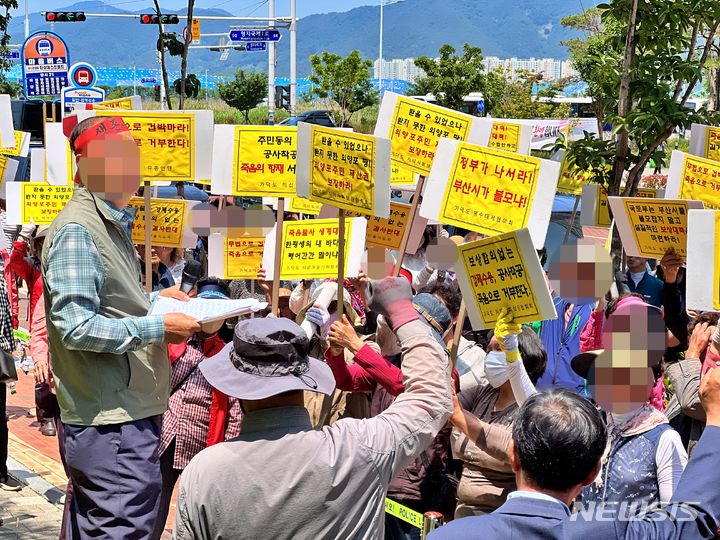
75 276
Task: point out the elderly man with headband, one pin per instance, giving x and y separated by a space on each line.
109 358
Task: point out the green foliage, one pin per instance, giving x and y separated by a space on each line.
452 76
641 84
244 92
346 81
508 98
192 86
6 87
172 43
421 87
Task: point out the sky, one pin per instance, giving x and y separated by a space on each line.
236 7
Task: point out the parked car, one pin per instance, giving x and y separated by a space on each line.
321 118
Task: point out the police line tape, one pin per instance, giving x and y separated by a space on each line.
403 512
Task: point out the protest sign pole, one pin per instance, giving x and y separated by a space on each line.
341 264
572 219
411 219
278 256
457 335
148 238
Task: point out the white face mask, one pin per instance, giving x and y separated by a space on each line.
496 369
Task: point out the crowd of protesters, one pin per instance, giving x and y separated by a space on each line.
299 424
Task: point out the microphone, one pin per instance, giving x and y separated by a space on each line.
191 273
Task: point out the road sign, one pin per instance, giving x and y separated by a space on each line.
45 65
10 55
255 46
148 80
196 31
81 89
255 35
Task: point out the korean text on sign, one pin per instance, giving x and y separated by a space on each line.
401 177
167 218
712 143
416 129
505 136
700 181
243 257
165 142
42 202
571 179
264 161
301 205
489 191
498 276
388 233
310 248
343 169
658 225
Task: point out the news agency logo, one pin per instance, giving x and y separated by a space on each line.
634 511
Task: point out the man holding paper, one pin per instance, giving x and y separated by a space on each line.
109 358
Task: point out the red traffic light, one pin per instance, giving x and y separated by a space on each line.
146 18
65 16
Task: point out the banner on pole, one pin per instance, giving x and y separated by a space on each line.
649 227
310 249
263 163
503 272
239 257
35 203
490 191
170 222
344 169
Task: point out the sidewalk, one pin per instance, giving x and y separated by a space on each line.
27 515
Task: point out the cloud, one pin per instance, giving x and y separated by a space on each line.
545 30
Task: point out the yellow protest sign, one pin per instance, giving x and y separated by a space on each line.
243 256
310 248
712 143
657 225
716 273
700 181
167 218
505 136
264 161
603 208
301 205
342 171
571 179
417 127
165 141
3 167
400 176
126 103
388 232
489 191
15 150
503 272
42 202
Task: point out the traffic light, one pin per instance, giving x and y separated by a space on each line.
156 88
65 16
152 18
282 97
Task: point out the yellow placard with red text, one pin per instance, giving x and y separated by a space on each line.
657 225
505 136
700 181
41 202
416 129
571 179
243 257
165 142
125 103
489 191
503 272
310 248
167 218
264 161
342 169
712 143
400 176
301 205
388 232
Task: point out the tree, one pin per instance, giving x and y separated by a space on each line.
522 97
421 87
451 77
6 86
245 92
346 81
192 86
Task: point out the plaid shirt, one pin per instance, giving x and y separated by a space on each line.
75 276
187 419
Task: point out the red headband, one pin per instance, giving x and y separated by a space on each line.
102 130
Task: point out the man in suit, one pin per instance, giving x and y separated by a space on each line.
557 444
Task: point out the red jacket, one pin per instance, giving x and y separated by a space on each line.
219 407
28 268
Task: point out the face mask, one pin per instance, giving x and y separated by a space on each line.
496 369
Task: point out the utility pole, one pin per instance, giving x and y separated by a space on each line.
27 19
271 67
293 59
380 59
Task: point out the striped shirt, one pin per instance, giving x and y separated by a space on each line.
75 276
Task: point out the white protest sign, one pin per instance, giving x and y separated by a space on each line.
7 131
490 191
703 261
705 141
